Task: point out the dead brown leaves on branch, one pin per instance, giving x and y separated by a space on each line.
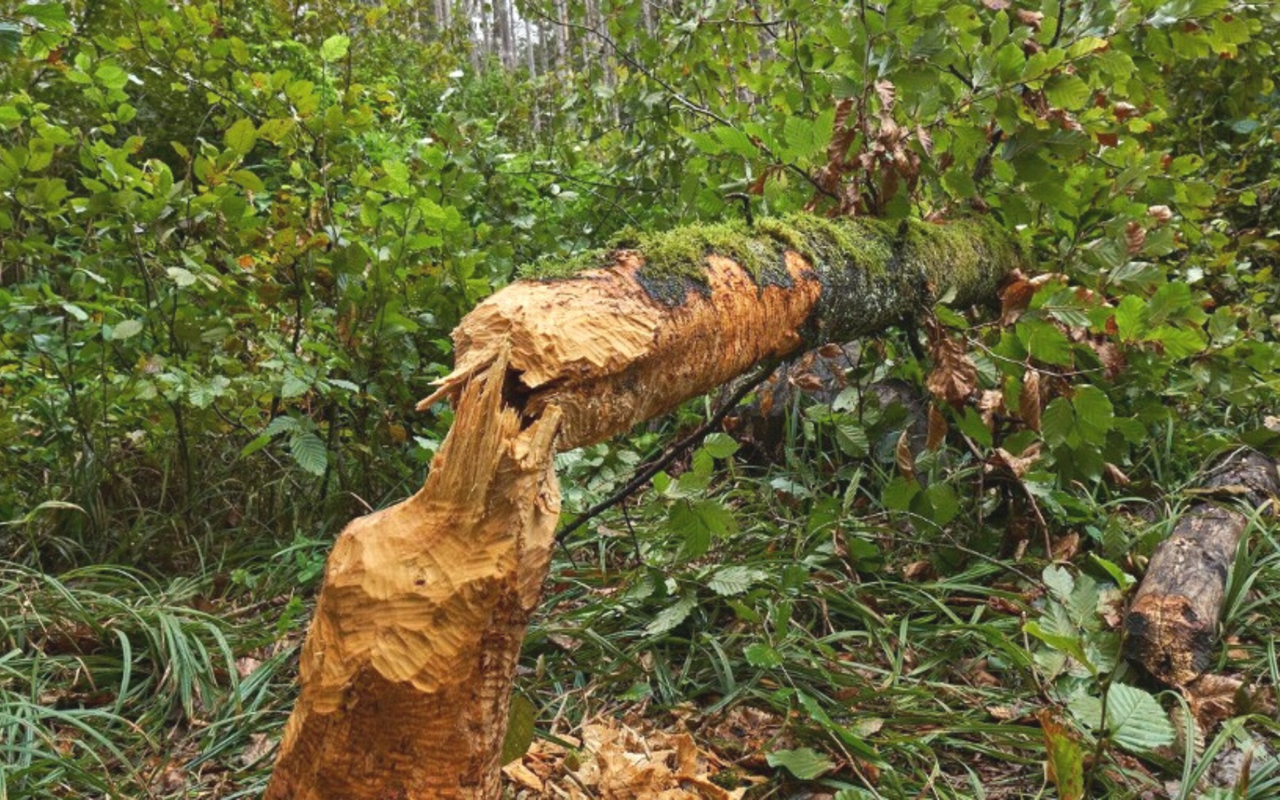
866 180
954 376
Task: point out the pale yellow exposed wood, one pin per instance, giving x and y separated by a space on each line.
609 356
407 668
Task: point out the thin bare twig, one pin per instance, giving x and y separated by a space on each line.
644 474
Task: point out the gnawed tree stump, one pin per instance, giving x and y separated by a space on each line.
409 662
1173 622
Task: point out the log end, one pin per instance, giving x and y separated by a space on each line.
1168 638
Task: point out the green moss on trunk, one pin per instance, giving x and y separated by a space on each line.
868 266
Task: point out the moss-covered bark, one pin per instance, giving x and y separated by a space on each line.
850 256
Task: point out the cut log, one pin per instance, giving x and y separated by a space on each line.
1173 622
616 346
409 661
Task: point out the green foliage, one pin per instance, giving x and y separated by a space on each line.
805 763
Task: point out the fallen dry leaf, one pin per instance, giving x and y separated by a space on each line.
518 773
1114 475
618 762
1213 699
1066 547
917 571
260 746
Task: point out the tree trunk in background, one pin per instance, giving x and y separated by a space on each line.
533 37
443 17
562 38
409 662
1173 622
507 16
471 10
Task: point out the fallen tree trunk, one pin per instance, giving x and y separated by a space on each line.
409 662
1173 622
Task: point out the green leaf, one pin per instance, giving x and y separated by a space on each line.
1045 341
1060 582
735 580
1178 343
970 423
1131 316
41 154
898 493
248 180
51 15
111 76
75 311
1067 644
1065 760
720 445
670 617
1094 414
521 716
852 438
255 445
1135 720
203 393
1087 710
241 136
762 656
127 329
735 141
718 518
309 451
1167 302
943 503
799 136
10 43
294 386
804 763
281 424
1067 92
1123 579
1057 422
335 47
